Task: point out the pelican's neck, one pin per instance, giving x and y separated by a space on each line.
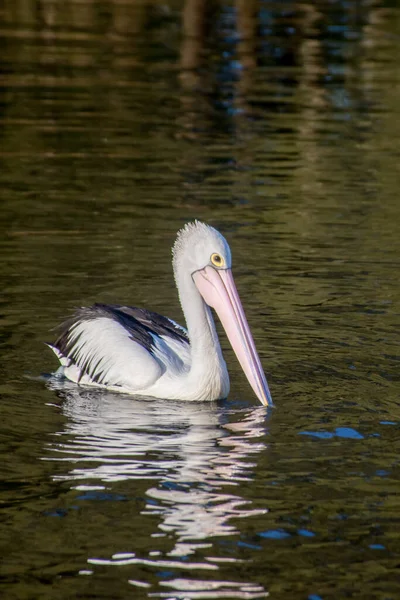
208 367
199 322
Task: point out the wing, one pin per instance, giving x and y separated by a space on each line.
119 346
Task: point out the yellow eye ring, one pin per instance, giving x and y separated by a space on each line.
217 260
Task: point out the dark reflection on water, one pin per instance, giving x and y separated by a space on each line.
278 122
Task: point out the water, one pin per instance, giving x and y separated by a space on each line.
279 124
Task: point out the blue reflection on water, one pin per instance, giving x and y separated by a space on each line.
101 496
342 432
348 432
250 546
382 473
275 534
306 533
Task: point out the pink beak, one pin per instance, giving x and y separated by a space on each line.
219 291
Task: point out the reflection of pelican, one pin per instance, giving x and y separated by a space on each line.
192 451
185 463
140 352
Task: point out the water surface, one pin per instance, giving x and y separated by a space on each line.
278 123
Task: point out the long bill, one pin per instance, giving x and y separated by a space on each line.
218 290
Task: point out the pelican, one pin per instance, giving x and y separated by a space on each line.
133 350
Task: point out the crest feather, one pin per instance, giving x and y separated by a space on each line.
187 231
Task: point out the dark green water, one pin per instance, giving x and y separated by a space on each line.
278 123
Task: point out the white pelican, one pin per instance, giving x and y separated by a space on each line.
139 352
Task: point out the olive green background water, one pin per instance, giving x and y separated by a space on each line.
278 123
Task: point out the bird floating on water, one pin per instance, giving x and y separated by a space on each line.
139 352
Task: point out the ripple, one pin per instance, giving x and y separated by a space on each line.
194 588
151 563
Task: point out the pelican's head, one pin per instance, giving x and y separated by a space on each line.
197 245
202 252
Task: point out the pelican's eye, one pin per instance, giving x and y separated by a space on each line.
217 260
